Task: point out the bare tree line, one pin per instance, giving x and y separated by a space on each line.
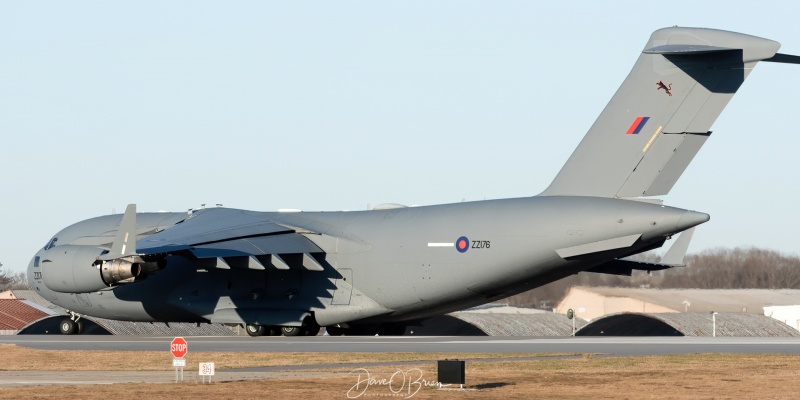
719 268
9 281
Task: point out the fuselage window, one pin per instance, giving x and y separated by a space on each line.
36 261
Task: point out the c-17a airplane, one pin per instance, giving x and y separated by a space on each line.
381 270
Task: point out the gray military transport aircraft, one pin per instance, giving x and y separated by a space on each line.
381 270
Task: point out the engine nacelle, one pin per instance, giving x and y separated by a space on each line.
76 269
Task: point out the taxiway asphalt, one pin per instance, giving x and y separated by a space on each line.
612 346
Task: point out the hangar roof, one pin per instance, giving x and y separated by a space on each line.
498 320
15 314
687 324
33 297
706 300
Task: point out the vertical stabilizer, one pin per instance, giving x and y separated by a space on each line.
662 114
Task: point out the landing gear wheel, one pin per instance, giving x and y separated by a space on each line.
256 330
274 331
334 331
310 326
312 330
292 330
392 330
69 327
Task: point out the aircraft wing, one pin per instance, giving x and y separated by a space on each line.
230 238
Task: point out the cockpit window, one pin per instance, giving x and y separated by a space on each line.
51 243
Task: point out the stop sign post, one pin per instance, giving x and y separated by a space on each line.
178 347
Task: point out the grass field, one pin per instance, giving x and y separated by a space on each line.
710 376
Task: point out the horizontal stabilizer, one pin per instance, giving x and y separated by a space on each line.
626 267
684 49
674 257
784 58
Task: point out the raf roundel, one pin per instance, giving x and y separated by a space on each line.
462 244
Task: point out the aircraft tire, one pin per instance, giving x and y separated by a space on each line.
292 330
255 330
392 330
274 331
312 330
68 327
334 331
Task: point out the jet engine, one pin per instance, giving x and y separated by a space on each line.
77 269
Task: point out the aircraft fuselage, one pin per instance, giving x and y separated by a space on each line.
380 266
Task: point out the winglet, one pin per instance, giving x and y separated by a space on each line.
125 242
676 254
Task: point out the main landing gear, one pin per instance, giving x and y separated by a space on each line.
309 329
380 330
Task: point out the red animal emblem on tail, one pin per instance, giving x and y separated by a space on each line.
661 85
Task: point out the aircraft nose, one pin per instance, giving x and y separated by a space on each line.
692 218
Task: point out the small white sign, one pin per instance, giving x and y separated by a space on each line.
178 362
206 369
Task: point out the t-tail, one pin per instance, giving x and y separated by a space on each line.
662 114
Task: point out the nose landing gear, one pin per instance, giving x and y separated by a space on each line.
71 325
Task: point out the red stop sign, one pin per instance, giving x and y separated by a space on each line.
178 347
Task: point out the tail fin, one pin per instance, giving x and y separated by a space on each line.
661 115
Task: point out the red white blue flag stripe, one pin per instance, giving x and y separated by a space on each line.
637 125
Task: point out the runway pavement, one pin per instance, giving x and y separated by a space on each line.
613 346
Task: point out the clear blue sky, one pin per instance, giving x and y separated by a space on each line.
324 105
